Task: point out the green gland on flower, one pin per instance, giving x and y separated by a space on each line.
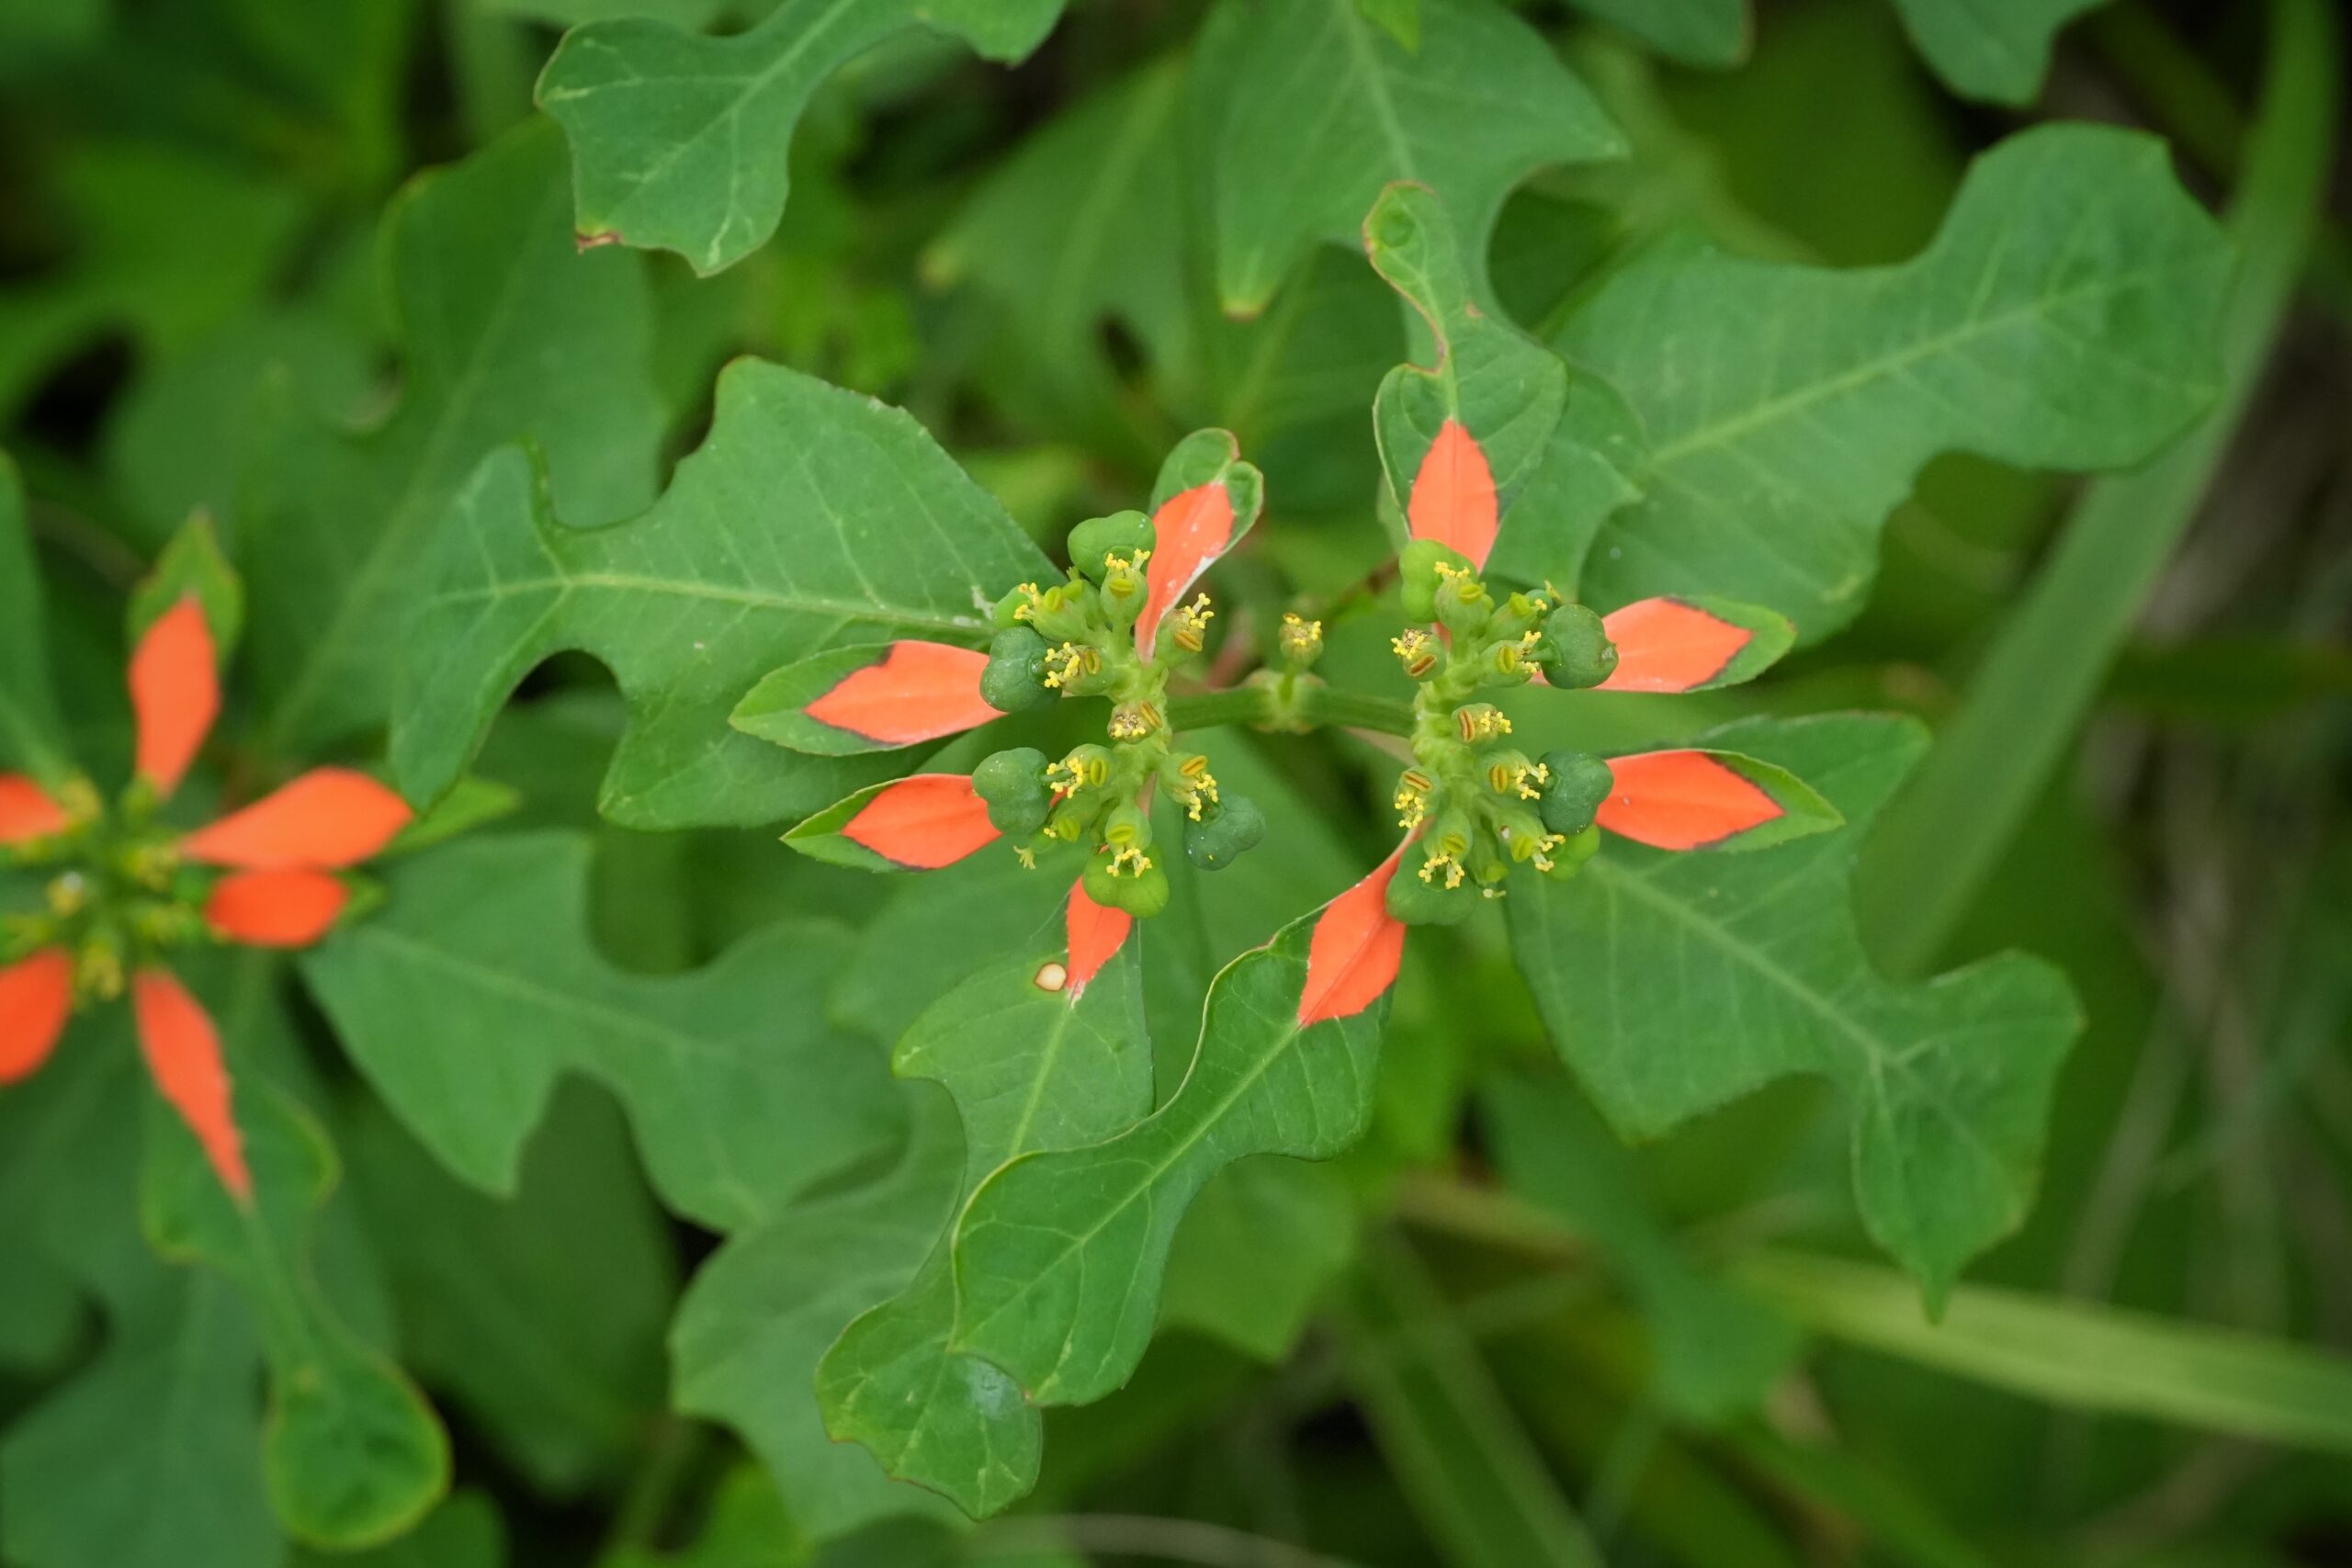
1461 601
1191 785
1014 679
1418 651
1125 586
1234 829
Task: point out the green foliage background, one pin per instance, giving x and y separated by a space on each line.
1965 1186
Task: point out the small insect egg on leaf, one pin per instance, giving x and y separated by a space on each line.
1052 976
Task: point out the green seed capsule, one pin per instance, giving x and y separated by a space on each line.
1015 676
1141 893
1094 540
1430 903
1579 783
1418 577
1575 651
1217 840
1013 782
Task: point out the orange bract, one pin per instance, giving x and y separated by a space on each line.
27 811
1681 800
174 693
36 998
182 1054
1665 644
923 822
275 908
1453 495
1354 953
1095 932
327 819
1188 533
918 691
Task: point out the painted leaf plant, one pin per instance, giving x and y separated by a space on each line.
853 869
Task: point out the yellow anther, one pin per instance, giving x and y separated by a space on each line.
68 895
1416 649
1133 721
1300 640
1518 776
1480 722
1198 788
1027 609
1413 797
1071 662
98 973
1438 863
1192 623
1129 855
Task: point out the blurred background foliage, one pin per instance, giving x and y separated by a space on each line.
1496 1337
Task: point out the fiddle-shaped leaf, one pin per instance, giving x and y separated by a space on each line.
1673 983
351 1454
1059 1256
1318 106
1045 1050
475 988
682 142
811 519
756 1319
1462 439
2065 317
508 334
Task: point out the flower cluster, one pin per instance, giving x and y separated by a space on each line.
127 891
1477 804
1078 638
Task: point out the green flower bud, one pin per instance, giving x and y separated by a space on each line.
1013 782
1063 613
1418 577
1217 841
1569 855
1520 615
1007 613
1577 783
1141 892
1094 540
1575 651
1015 677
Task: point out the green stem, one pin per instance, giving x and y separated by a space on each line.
1290 703
2030 695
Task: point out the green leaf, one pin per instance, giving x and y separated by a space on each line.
508 334
463 1532
1715 1352
192 564
679 142
1320 106
1059 1256
352 1455
32 736
762 1312
542 1316
1029 1069
1077 228
1993 50
2064 317
1565 451
1673 983
811 518
475 988
2077 1355
151 1459
1467 1466
171 242
1256 1251
1695 32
